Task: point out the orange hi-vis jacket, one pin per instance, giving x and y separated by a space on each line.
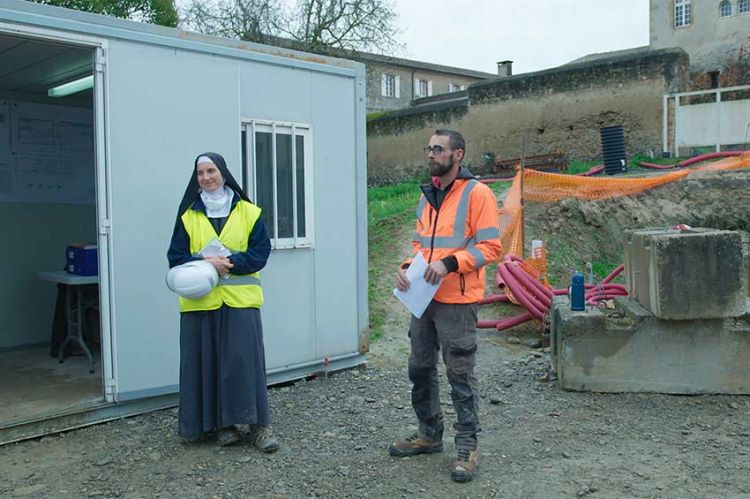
466 226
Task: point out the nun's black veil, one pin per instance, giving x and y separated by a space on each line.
193 189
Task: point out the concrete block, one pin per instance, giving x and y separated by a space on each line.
745 236
686 274
628 349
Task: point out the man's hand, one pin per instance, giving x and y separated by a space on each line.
435 272
402 282
220 263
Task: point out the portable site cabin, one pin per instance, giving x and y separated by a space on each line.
107 162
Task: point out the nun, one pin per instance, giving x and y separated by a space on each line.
222 359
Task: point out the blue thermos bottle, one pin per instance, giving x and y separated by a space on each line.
577 301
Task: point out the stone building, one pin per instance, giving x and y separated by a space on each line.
393 83
712 32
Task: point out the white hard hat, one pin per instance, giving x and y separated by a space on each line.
193 279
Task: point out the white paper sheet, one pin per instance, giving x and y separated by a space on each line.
420 292
214 248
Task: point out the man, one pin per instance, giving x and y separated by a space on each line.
458 234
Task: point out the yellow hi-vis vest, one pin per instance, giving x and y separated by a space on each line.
238 291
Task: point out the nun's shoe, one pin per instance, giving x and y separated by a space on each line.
228 436
262 439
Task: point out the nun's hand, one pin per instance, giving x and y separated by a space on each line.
220 263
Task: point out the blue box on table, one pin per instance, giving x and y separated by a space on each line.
82 259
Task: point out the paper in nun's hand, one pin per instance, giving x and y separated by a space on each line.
214 248
420 292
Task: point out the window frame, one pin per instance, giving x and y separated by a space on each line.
683 11
722 5
743 4
385 78
252 126
418 88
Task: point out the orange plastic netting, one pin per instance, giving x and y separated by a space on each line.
547 187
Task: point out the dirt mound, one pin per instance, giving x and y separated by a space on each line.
581 231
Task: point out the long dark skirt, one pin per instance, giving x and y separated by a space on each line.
222 370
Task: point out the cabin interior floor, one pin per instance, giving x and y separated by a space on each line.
33 384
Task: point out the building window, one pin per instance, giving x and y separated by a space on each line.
389 85
725 8
682 13
278 173
452 87
743 7
423 88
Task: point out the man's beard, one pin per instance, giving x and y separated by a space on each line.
438 170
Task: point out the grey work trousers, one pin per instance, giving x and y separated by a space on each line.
452 329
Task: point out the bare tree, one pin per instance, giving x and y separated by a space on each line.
325 25
249 20
321 26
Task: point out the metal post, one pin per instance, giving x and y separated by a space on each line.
717 147
523 168
665 124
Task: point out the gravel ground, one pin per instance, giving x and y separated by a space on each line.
537 441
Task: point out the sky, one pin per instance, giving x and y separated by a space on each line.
534 34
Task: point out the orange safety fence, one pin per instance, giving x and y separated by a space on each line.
548 187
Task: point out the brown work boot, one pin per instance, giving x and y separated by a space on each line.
262 439
415 445
465 466
228 436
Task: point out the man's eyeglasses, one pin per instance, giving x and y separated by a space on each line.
434 149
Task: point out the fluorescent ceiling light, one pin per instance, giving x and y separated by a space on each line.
72 87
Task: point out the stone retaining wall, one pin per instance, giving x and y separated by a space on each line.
561 108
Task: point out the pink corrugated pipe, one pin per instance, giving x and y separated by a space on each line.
535 297
692 161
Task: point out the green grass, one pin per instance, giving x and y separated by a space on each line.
390 210
498 187
603 269
376 115
387 207
562 256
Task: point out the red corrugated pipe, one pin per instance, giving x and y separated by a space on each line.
535 297
692 161
593 171
493 180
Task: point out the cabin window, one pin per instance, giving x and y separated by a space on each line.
278 175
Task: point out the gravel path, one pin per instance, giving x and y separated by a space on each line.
537 442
